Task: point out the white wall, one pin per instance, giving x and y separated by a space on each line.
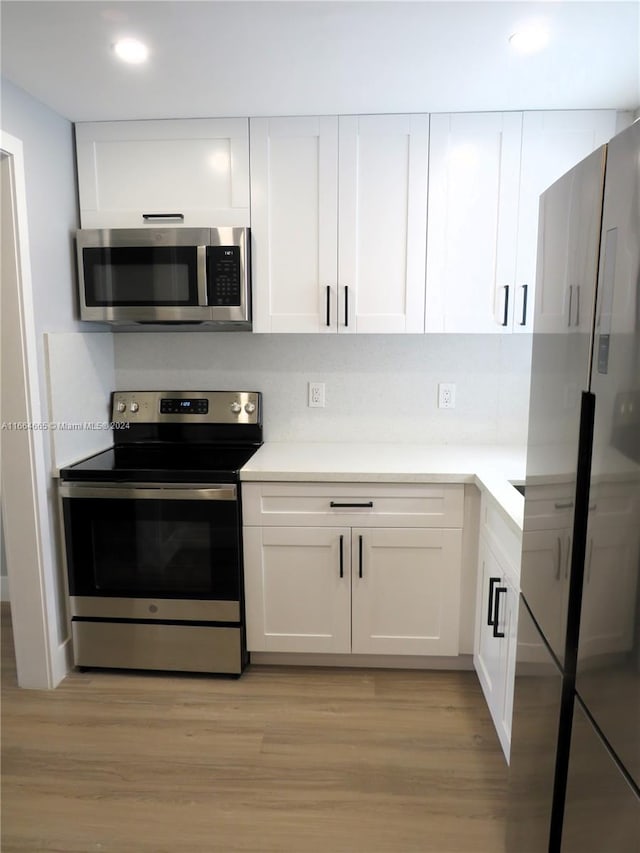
49 174
378 387
79 397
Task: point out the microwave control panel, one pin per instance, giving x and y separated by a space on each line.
224 275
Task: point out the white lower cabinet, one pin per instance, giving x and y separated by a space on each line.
363 589
494 655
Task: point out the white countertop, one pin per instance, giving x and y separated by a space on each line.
489 467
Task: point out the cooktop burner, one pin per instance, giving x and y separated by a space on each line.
176 436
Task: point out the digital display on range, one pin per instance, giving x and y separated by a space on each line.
173 406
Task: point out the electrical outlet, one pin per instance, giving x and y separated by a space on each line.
446 395
316 395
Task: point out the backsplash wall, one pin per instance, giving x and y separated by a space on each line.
378 387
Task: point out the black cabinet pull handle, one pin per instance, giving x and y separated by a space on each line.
152 217
359 556
328 305
499 591
505 318
490 616
341 556
525 288
338 505
346 306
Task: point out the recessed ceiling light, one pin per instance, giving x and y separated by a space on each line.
131 50
530 38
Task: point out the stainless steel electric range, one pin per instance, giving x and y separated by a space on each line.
153 533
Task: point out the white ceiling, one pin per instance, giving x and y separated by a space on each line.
264 58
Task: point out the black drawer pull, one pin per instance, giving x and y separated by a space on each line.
359 556
151 217
496 633
525 288
505 318
490 608
336 505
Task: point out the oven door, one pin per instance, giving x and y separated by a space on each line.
175 544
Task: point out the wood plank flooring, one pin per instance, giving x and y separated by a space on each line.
283 760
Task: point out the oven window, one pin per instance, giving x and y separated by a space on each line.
141 275
153 548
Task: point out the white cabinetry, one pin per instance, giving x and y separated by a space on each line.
353 569
339 209
497 616
486 173
192 172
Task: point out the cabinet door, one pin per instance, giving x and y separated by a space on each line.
197 168
474 167
486 653
406 591
294 205
382 221
297 589
494 656
507 619
552 143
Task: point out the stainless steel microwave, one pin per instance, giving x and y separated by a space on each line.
134 276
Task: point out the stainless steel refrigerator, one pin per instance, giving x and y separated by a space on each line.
575 748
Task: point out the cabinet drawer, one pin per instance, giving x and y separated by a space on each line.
361 505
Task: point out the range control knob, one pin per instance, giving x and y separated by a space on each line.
236 408
134 407
121 407
249 408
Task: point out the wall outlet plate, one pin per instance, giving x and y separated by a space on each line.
316 395
446 395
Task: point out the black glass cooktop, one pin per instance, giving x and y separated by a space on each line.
156 463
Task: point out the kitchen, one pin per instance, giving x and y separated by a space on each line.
375 395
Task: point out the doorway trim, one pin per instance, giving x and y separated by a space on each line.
28 541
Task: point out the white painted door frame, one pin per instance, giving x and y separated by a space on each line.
24 477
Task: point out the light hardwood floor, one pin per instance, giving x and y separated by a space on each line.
282 760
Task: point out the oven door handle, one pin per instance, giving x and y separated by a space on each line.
149 491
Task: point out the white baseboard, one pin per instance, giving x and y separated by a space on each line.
458 662
4 588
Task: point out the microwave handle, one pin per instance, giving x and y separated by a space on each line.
155 217
201 263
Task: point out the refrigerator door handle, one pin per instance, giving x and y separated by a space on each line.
496 633
491 613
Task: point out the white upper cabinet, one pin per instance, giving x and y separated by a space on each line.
339 223
294 203
382 222
474 161
192 172
487 172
